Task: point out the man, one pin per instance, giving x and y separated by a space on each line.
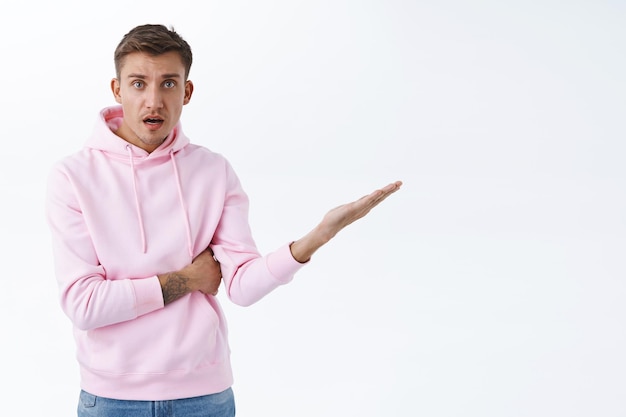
145 226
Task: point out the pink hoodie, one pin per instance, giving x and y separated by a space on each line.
118 216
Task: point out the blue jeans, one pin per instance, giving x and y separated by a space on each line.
221 404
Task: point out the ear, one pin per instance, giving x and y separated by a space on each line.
188 91
115 88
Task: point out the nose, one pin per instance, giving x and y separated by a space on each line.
154 99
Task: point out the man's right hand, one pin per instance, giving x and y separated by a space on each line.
203 274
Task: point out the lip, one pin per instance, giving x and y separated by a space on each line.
153 122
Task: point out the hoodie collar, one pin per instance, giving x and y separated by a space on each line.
104 138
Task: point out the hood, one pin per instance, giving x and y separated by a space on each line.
103 137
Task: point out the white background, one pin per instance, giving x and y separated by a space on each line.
492 284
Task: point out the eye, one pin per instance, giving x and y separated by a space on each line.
169 84
138 84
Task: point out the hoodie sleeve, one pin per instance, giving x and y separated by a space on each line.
87 297
247 275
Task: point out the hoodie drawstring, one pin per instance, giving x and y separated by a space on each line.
180 200
182 204
137 206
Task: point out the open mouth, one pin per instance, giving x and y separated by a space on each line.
153 120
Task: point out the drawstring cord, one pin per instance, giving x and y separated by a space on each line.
180 199
182 204
137 206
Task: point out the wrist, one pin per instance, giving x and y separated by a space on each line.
174 285
303 248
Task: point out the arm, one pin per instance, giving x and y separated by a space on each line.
203 275
336 219
89 295
247 275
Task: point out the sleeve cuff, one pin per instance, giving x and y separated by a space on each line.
148 295
282 265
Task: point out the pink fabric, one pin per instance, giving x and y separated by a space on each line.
118 217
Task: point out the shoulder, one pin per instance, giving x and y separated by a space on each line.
67 162
78 162
198 158
204 155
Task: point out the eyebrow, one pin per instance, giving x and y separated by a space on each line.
164 76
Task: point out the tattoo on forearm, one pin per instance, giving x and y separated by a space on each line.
175 287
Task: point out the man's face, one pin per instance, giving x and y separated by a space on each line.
152 91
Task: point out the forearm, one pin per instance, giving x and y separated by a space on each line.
303 248
174 285
248 276
203 275
87 303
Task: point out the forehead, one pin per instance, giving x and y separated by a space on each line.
141 63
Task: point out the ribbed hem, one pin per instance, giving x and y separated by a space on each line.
172 385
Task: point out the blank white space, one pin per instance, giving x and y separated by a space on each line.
492 284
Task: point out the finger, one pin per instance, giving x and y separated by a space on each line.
391 188
379 195
385 191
